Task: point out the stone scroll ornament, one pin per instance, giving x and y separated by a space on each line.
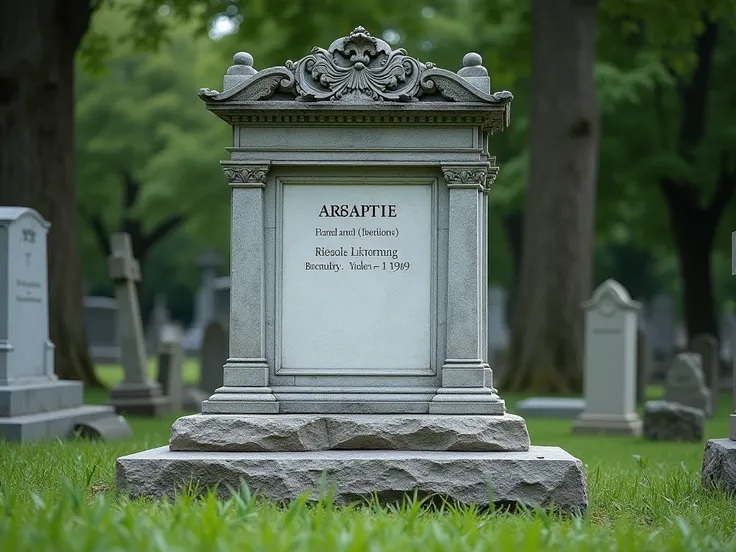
357 68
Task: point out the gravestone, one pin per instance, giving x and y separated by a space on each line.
498 331
728 336
137 393
158 318
707 347
214 354
670 421
101 325
643 355
662 327
208 263
610 363
34 403
358 319
719 458
685 383
170 364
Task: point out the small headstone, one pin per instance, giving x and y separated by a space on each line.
610 363
101 325
662 326
214 354
158 318
728 336
707 347
498 331
643 363
170 364
685 383
34 403
567 408
137 394
670 421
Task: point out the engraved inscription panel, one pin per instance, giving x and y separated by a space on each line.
356 276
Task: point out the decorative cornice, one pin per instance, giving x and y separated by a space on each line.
356 69
469 176
246 176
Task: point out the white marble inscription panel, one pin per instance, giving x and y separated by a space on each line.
356 276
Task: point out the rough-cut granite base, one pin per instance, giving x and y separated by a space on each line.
541 476
305 432
668 421
719 465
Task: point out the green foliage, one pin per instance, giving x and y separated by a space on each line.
61 496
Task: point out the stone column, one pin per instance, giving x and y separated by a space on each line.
467 379
246 373
137 394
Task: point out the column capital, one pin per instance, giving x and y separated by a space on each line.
478 176
246 175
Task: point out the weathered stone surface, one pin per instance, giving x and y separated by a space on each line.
311 432
719 465
670 421
541 476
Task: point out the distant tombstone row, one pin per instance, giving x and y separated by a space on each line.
34 403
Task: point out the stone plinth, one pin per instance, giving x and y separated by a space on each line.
719 465
297 433
540 476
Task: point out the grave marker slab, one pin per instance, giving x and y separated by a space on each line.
707 347
171 364
662 326
610 363
685 383
358 288
34 403
136 394
101 325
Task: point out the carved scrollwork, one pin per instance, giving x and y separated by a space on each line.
255 174
465 177
357 68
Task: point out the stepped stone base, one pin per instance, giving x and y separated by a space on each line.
144 399
541 476
310 432
607 424
49 425
719 465
32 398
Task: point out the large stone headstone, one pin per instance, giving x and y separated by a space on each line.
685 383
707 347
137 394
101 325
610 363
34 403
358 292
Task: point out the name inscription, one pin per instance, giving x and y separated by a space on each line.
362 291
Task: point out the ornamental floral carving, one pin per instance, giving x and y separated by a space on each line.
465 176
358 68
246 175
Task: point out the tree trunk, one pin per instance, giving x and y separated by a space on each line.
38 39
546 353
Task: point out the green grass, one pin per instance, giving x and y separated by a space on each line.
643 496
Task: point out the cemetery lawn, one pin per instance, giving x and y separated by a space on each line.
643 496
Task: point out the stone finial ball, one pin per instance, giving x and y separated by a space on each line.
243 58
472 60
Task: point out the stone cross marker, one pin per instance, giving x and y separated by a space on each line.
34 403
137 394
707 347
359 181
610 363
685 383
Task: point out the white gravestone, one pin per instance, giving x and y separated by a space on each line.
137 393
34 403
610 363
358 321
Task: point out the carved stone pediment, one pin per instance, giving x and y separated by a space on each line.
355 69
